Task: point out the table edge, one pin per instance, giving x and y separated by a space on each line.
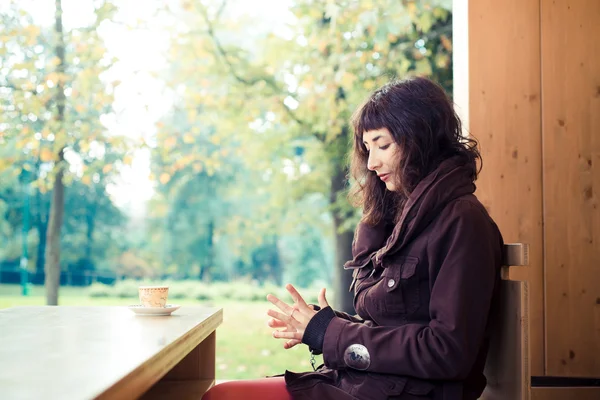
145 375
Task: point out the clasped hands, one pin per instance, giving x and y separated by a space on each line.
294 318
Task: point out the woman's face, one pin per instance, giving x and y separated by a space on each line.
383 153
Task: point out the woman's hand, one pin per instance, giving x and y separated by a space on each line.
295 318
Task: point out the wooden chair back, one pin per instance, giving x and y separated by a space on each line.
507 367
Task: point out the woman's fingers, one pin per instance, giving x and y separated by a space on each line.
291 343
283 317
297 298
287 309
294 317
287 335
275 323
322 299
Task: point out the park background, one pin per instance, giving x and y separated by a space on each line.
199 144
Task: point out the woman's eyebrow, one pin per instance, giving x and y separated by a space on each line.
375 139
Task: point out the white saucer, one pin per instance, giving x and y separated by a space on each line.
141 310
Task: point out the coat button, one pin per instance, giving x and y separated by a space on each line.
391 283
357 356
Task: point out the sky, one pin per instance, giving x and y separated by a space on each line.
140 100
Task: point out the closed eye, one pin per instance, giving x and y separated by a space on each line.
385 147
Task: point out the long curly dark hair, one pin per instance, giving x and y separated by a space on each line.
421 118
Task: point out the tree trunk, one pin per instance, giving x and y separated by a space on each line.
276 264
53 237
55 221
342 278
43 206
90 220
209 259
42 228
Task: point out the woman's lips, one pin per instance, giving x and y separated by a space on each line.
384 177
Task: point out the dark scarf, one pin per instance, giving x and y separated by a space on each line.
449 181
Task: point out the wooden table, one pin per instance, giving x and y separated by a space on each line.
82 353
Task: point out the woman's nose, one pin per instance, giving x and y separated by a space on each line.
372 163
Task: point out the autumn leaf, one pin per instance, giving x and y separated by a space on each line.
347 79
179 164
423 67
188 138
52 77
446 42
170 142
54 61
164 178
46 155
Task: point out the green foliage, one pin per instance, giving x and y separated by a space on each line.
54 97
30 79
100 290
249 164
194 290
262 121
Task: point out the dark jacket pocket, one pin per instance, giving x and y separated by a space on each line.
401 283
305 380
358 277
371 386
419 387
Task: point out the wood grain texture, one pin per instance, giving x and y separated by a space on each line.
198 364
501 98
508 368
565 393
94 352
571 147
180 390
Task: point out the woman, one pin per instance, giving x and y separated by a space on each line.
426 264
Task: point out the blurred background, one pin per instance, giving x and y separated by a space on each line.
202 144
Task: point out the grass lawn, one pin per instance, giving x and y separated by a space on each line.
245 347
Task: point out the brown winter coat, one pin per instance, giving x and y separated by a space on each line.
422 293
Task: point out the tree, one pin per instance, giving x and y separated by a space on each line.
54 98
52 256
190 204
278 95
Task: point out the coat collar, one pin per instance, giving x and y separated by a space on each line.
449 181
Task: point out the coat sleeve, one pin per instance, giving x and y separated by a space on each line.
315 330
348 317
469 247
340 314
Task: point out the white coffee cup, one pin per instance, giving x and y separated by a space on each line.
153 296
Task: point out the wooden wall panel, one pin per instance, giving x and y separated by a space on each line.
497 80
570 34
565 393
